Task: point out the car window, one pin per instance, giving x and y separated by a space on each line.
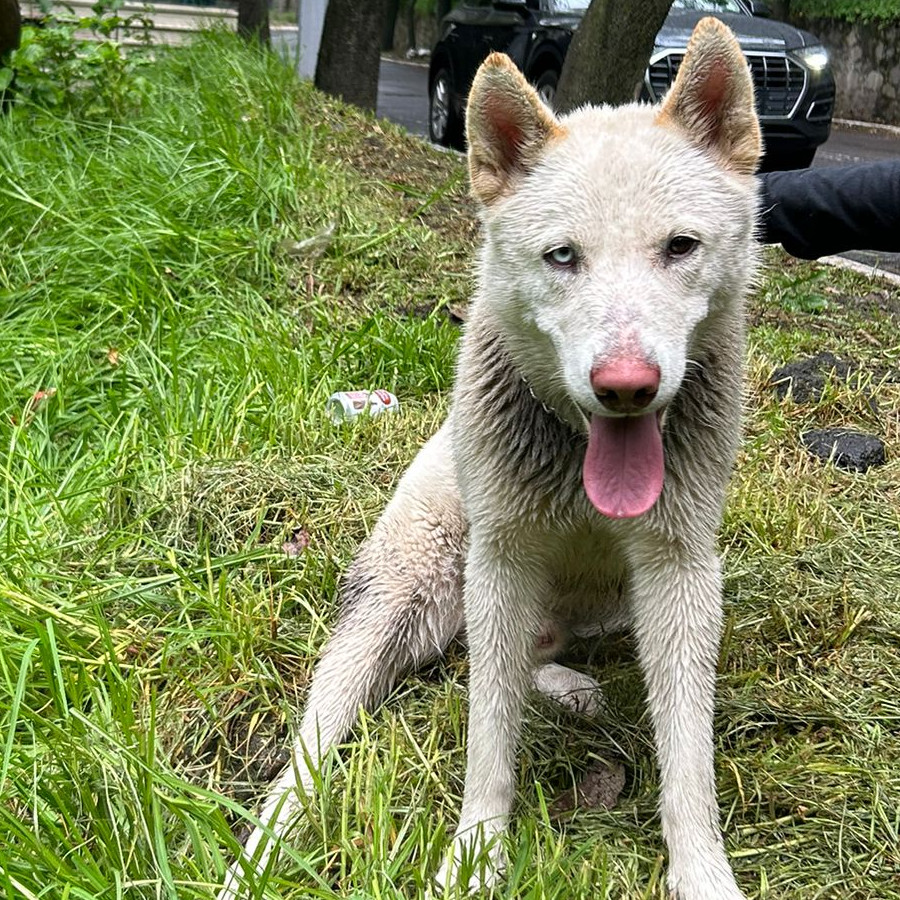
713 6
564 6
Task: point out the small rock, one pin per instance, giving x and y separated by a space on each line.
600 787
851 450
805 379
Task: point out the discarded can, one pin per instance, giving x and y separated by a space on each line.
348 404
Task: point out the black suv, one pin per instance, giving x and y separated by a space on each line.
791 71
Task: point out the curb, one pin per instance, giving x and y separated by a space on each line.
870 271
868 127
421 62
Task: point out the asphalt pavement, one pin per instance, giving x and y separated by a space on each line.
403 94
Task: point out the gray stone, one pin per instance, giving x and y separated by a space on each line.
851 450
865 56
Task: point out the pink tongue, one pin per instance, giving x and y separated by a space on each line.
624 468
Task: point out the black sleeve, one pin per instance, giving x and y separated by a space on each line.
817 212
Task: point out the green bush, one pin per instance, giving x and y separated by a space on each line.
55 67
848 10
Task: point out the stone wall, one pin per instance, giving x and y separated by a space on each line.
866 60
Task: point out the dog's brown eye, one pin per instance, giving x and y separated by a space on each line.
681 245
563 257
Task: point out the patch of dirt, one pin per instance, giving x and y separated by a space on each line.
805 379
885 301
850 450
599 788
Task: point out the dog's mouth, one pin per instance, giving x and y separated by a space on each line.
624 465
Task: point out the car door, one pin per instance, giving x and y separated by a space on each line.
480 27
467 40
504 27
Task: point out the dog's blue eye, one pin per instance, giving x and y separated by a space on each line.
680 246
562 257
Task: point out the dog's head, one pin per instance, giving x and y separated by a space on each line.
617 241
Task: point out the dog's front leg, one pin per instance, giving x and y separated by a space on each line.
678 616
502 621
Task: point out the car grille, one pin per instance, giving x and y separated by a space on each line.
778 81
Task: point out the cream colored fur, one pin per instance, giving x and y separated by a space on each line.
491 525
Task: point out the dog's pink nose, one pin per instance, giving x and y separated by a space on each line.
625 385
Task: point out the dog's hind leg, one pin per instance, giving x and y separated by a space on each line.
402 607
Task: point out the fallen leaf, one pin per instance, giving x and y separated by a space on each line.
458 312
34 401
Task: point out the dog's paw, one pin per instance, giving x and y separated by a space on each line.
574 690
471 863
710 881
233 887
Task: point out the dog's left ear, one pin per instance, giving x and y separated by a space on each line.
507 127
712 100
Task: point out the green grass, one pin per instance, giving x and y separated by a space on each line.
853 11
168 358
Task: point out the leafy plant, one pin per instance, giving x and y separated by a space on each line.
848 10
799 292
57 66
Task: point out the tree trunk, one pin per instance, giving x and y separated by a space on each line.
10 27
253 21
411 24
390 23
349 54
609 52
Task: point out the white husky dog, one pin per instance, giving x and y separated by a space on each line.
578 482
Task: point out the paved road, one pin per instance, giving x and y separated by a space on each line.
403 94
850 145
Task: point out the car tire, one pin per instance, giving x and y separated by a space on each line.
546 84
444 125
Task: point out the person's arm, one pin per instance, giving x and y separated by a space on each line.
818 212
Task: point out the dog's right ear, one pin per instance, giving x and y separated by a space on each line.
712 102
507 127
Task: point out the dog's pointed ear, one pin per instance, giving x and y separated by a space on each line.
712 99
507 128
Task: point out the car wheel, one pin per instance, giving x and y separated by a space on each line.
546 84
444 126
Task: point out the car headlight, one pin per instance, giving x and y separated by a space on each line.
814 58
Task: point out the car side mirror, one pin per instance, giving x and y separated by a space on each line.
759 8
